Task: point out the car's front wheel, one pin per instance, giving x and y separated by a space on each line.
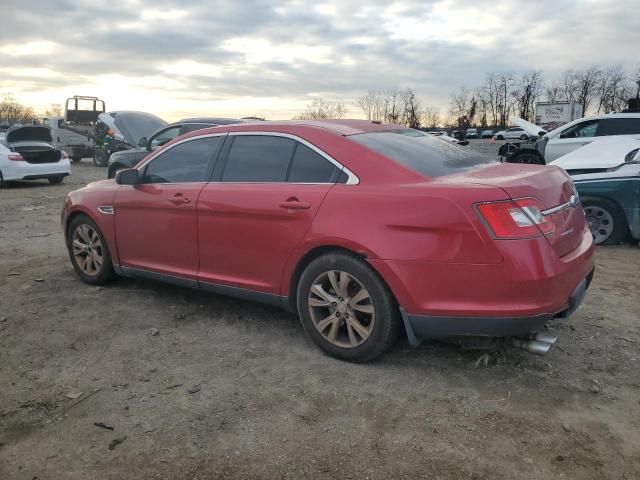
606 221
523 137
499 137
88 251
346 308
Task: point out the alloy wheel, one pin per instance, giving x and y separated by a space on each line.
600 223
341 309
87 249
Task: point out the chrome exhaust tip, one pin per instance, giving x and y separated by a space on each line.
540 345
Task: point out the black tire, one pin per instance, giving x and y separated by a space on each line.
113 169
499 137
527 157
56 180
387 323
523 137
1 180
100 157
76 159
620 229
105 272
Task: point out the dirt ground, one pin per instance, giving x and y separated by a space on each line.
197 386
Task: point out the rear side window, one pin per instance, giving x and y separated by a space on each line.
258 158
619 126
186 162
421 152
308 166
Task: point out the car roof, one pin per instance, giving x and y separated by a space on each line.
340 127
211 120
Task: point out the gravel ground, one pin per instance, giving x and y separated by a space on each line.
144 380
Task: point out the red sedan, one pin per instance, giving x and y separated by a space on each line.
364 229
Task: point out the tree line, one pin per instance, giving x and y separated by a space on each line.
489 105
12 111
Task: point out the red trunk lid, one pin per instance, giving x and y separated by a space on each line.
550 185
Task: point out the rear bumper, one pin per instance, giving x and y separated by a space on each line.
34 171
422 327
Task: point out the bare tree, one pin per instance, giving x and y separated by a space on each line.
614 89
430 117
553 92
411 109
53 110
526 92
463 108
13 112
320 109
586 82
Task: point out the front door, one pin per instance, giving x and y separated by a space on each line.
251 220
155 221
572 138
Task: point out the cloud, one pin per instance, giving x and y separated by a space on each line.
186 57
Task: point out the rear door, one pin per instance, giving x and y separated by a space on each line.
155 221
265 194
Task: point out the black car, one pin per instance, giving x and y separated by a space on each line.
129 158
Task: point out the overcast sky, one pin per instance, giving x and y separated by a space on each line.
178 58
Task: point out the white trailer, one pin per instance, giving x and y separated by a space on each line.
551 115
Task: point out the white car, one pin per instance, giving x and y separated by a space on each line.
27 153
604 154
511 133
583 131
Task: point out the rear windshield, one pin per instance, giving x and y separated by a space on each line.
422 153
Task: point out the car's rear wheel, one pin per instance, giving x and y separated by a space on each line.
88 251
56 180
499 137
523 137
606 221
346 309
1 180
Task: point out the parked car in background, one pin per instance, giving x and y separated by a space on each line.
128 158
337 208
487 133
513 132
575 135
472 133
606 174
27 153
122 130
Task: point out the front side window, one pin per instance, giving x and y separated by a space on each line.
258 158
164 137
186 162
583 129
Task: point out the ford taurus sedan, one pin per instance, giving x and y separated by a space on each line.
366 230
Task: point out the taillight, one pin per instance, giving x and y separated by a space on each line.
16 158
65 155
520 218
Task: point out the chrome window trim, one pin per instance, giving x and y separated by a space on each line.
352 177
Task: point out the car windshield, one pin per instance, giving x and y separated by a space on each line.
134 125
422 153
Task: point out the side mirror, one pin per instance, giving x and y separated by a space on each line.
142 142
128 176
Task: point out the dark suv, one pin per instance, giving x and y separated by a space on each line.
129 158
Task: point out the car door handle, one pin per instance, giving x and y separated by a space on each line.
179 199
295 204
